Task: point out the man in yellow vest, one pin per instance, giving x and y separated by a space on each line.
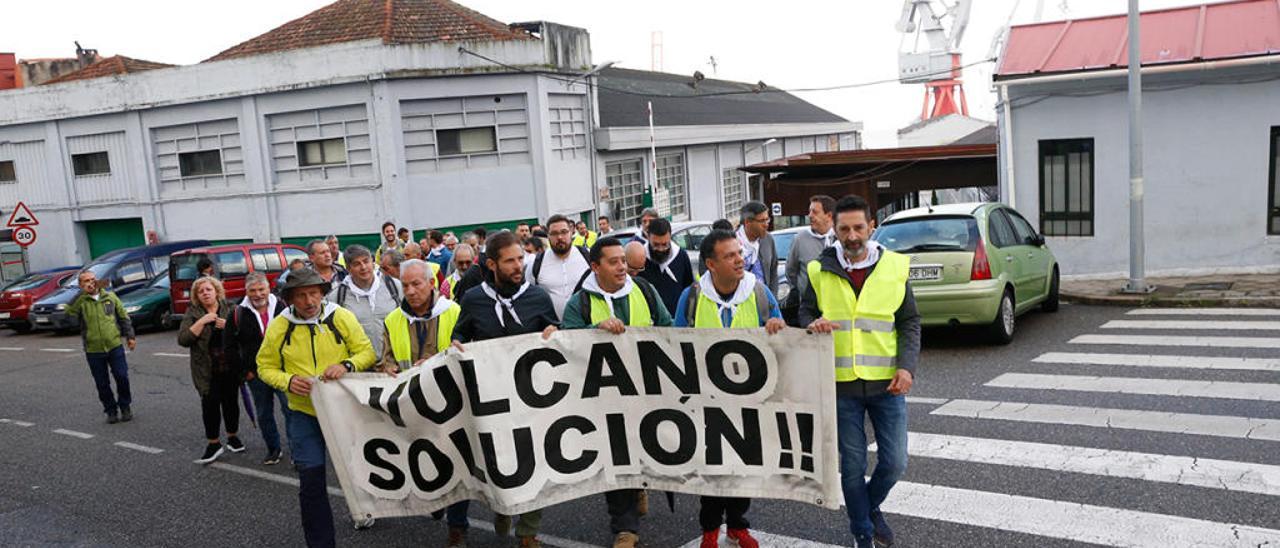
420 328
584 238
858 291
727 296
612 300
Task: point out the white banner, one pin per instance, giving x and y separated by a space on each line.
521 423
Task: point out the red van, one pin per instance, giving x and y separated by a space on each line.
231 263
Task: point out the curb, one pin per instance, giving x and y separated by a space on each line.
1170 301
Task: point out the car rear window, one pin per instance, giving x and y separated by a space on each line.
925 234
186 267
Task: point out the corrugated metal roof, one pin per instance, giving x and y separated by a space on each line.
624 95
875 156
1243 28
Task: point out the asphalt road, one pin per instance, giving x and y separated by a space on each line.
1008 449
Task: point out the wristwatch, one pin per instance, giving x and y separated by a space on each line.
347 364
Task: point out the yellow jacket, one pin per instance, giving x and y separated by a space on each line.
293 347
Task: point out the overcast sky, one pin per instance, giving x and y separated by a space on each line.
788 44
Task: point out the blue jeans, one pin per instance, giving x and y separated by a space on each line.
307 447
99 365
456 514
889 420
264 398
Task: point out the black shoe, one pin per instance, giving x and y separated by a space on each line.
883 535
126 414
113 417
211 453
234 444
863 542
273 457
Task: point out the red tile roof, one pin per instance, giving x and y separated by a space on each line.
392 21
1242 28
110 66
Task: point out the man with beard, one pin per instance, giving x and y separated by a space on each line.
806 247
667 266
560 269
244 339
503 305
389 241
858 290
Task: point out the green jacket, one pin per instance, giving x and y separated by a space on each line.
104 324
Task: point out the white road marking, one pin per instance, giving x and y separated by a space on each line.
1067 520
1217 474
1162 340
549 540
23 424
1204 312
768 540
1192 324
171 355
1130 385
136 447
57 350
73 433
1126 419
1154 360
927 401
12 348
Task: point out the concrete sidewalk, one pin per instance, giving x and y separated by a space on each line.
1246 290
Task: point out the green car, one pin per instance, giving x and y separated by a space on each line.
149 305
974 264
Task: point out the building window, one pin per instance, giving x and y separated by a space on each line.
625 180
322 152
7 174
671 183
1066 187
472 140
1273 216
733 190
205 162
93 163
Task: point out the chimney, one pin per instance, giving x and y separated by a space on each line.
8 71
86 57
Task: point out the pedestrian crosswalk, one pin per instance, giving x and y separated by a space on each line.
1180 359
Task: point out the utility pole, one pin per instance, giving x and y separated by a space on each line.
1137 246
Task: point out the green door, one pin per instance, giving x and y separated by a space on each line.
112 234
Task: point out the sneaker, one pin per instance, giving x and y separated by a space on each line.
626 539
883 535
126 414
530 542
642 503
211 453
362 524
273 457
710 539
502 525
742 538
457 537
234 444
863 542
113 417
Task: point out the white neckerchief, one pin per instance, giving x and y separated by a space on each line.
593 285
499 302
326 310
271 310
350 282
827 239
873 255
750 249
442 304
665 266
746 287
96 296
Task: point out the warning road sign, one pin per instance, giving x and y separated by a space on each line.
22 216
24 236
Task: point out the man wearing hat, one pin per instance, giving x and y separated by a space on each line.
312 339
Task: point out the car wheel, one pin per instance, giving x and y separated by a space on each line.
1001 329
1051 302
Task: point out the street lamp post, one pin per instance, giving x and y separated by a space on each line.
1137 246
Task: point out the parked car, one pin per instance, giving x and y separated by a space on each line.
782 240
232 264
974 264
686 234
123 270
16 299
149 306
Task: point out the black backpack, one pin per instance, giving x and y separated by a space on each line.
341 298
333 326
537 265
647 289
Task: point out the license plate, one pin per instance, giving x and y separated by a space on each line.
919 273
4 315
42 320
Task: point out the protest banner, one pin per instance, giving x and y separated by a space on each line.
521 423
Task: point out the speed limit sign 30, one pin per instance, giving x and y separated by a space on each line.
24 236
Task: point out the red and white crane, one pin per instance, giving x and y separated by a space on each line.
936 63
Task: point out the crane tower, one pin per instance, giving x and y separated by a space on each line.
936 63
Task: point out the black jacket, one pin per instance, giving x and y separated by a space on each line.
243 337
906 321
479 322
668 288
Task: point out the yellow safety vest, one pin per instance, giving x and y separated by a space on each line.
707 313
588 241
867 341
397 324
638 314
